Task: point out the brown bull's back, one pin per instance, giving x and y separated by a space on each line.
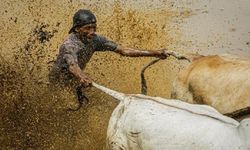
220 81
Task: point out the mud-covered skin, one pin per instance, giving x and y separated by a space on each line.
73 50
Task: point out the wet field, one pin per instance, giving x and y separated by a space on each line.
34 116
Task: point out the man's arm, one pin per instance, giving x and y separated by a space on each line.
131 52
76 71
106 45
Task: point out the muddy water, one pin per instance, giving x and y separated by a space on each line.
34 116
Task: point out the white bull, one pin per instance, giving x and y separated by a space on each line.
152 123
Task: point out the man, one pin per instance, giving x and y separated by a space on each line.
78 48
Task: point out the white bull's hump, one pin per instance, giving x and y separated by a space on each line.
203 110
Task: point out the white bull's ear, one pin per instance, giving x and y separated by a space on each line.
244 129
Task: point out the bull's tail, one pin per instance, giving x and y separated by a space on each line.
117 95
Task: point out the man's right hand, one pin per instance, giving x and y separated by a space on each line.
86 81
77 72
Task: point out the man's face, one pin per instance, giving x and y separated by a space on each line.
87 31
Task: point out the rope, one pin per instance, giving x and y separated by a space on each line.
143 80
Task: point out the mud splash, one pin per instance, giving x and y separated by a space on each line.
32 115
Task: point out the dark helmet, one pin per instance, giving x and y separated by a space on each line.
82 17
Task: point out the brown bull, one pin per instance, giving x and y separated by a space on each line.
219 81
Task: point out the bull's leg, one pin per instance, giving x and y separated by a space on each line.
181 92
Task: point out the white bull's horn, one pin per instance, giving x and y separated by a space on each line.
115 94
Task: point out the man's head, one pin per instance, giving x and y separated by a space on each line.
84 22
